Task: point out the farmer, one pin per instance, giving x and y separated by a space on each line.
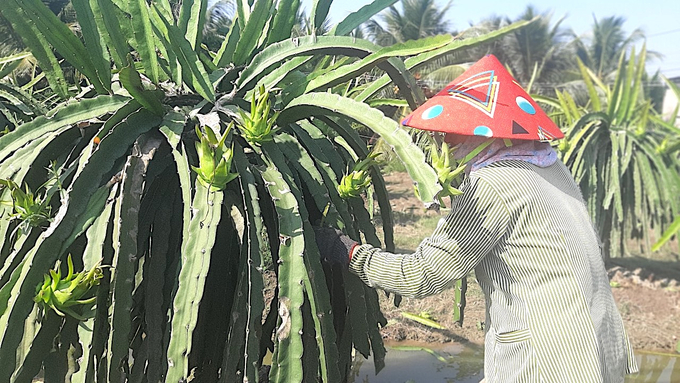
522 225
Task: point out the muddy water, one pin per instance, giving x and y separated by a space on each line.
428 363
657 367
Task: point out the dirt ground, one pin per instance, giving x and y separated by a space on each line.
647 291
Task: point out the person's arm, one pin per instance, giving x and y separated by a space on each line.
478 220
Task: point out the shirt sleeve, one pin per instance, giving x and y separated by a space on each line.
478 220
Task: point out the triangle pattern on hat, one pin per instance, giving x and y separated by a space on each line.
480 91
543 135
518 129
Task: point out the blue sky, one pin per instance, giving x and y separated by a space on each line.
659 19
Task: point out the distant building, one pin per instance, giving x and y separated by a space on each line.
670 101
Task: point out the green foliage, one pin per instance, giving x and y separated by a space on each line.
320 104
670 232
539 54
214 159
450 171
354 183
185 223
613 147
606 44
29 210
17 103
423 318
21 23
459 308
257 127
61 294
417 19
668 146
132 82
416 62
442 164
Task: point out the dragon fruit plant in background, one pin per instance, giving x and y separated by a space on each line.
624 156
171 180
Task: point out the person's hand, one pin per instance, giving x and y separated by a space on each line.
335 247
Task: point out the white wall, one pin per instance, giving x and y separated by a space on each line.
670 102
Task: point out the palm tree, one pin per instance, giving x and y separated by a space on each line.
304 26
415 20
539 54
418 19
601 50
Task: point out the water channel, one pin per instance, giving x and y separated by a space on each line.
456 363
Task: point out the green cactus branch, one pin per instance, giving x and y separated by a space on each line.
196 248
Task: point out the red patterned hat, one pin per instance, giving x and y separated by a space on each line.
485 101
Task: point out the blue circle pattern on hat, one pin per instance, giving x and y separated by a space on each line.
525 105
483 131
433 112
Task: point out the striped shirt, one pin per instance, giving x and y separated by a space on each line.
525 230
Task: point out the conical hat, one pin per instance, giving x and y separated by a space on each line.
485 101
